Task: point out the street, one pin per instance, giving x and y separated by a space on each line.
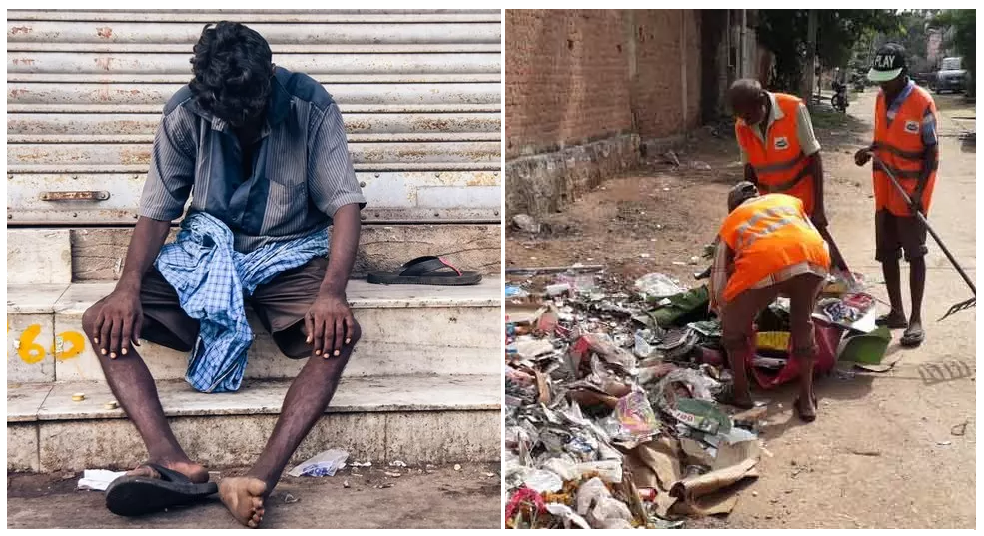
888 450
438 497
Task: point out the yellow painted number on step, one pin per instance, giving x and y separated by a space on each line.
30 351
72 343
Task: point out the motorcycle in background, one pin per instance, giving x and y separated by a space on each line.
839 100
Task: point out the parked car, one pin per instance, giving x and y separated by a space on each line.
951 76
924 79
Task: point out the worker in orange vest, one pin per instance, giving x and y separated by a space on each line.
768 247
906 142
779 150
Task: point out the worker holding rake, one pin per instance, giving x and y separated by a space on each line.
906 150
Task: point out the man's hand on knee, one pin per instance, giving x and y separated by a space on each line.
115 322
330 324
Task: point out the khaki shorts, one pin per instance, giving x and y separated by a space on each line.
280 305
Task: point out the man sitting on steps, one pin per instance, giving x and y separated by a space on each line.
263 155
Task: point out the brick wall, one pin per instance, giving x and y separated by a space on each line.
574 76
584 88
566 78
667 45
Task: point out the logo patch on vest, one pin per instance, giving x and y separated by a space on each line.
781 143
912 127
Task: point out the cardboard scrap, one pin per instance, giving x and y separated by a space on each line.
709 494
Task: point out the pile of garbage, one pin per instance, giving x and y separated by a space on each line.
611 412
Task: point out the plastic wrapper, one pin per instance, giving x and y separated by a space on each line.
512 291
596 503
568 516
641 347
541 480
698 385
636 415
98 479
657 285
608 470
564 468
326 463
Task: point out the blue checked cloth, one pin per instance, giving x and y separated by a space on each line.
210 278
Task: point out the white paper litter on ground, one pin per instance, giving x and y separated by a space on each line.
323 464
98 479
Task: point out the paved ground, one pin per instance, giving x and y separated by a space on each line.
883 453
440 498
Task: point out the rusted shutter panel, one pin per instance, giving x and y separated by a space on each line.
420 92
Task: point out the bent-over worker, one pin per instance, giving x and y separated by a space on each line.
768 247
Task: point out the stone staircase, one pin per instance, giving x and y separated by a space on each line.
423 385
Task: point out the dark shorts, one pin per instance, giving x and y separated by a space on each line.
280 305
893 234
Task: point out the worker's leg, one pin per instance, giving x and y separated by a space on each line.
888 251
737 320
913 237
803 291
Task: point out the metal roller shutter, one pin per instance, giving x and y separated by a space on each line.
419 92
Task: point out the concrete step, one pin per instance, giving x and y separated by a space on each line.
416 419
39 256
407 329
90 254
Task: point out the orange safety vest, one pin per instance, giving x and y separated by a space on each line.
768 234
780 165
900 147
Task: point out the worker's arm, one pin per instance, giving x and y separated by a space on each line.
811 148
931 156
749 171
721 271
750 174
815 164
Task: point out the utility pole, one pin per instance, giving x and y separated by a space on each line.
809 73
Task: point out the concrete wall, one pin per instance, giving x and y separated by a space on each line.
584 88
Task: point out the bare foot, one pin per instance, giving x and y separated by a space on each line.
195 472
243 496
807 408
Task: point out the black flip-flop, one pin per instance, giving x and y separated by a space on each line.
912 340
886 320
427 270
138 495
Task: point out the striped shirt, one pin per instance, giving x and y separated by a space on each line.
300 171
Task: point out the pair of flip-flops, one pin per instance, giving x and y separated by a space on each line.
910 339
139 495
428 270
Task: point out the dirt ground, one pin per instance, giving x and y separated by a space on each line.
438 497
888 450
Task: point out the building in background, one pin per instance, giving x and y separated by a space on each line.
591 92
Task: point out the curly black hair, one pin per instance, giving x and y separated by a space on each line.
233 68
